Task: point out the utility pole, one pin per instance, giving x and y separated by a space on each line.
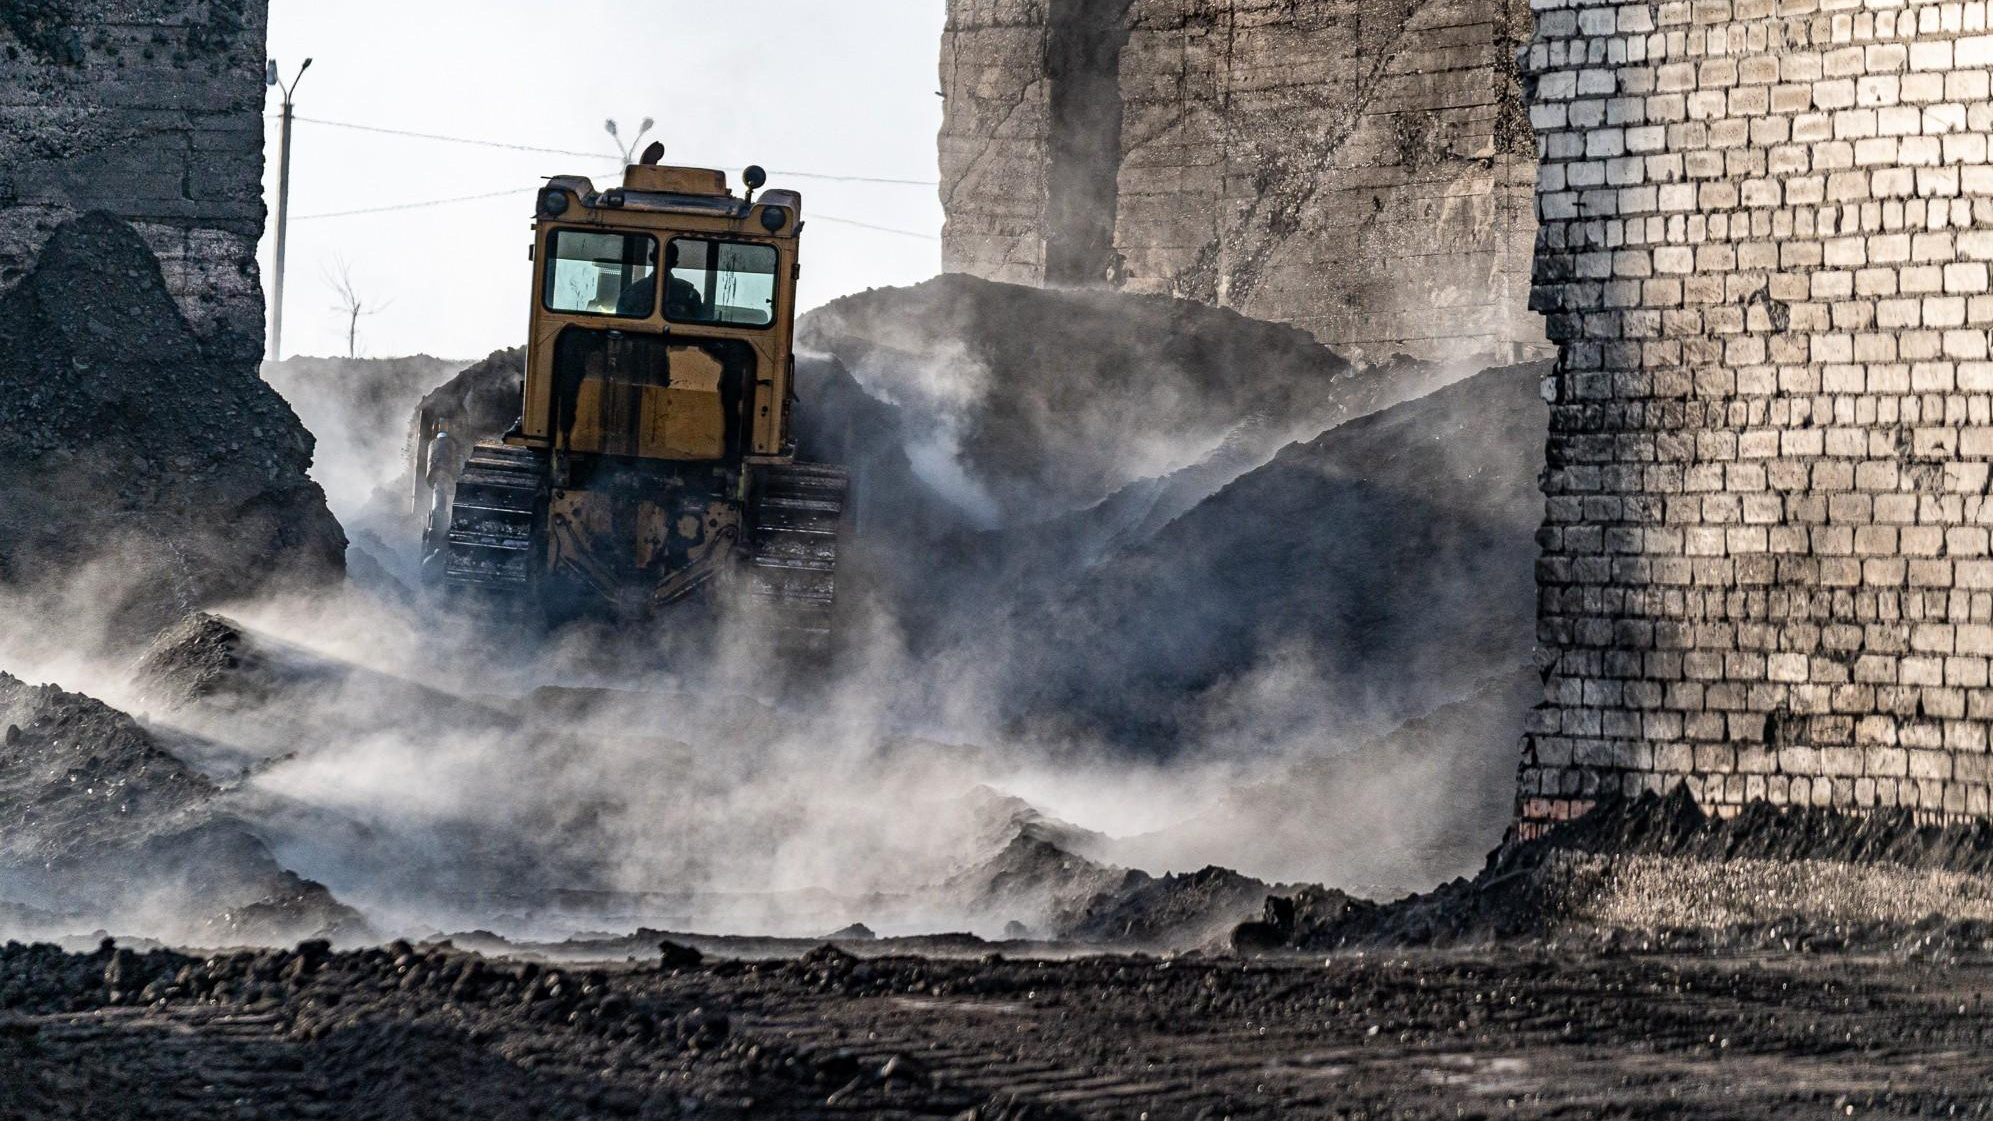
283 206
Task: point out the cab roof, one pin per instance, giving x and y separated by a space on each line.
673 190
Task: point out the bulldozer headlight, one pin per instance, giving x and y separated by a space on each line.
553 202
774 218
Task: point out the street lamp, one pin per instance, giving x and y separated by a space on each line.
628 151
283 204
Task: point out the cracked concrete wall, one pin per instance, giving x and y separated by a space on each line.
1765 249
995 138
1360 168
150 110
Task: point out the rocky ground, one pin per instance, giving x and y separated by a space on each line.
1532 1032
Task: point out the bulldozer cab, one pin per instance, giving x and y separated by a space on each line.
663 319
652 458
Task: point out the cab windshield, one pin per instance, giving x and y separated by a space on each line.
602 274
731 283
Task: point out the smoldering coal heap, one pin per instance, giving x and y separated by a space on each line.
1183 636
1186 643
1116 597
1220 728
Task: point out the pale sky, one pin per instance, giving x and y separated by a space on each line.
832 87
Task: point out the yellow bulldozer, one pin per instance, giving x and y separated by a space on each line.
652 459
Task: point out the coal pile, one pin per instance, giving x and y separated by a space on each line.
480 403
1185 581
1656 872
105 826
124 444
1180 911
1045 891
1038 884
1387 563
1050 401
248 686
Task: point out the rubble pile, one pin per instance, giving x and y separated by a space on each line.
177 473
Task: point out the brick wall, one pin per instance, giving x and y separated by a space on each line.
1359 168
150 110
1766 228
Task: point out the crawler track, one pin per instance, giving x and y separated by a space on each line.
788 562
791 555
491 521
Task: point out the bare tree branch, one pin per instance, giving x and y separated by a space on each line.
352 304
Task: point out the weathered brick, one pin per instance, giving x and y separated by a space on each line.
1823 223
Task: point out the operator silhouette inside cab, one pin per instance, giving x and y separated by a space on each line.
681 296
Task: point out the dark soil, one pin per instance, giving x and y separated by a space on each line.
428 1031
122 441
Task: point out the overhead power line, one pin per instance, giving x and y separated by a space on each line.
391 207
870 226
412 205
595 155
450 139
